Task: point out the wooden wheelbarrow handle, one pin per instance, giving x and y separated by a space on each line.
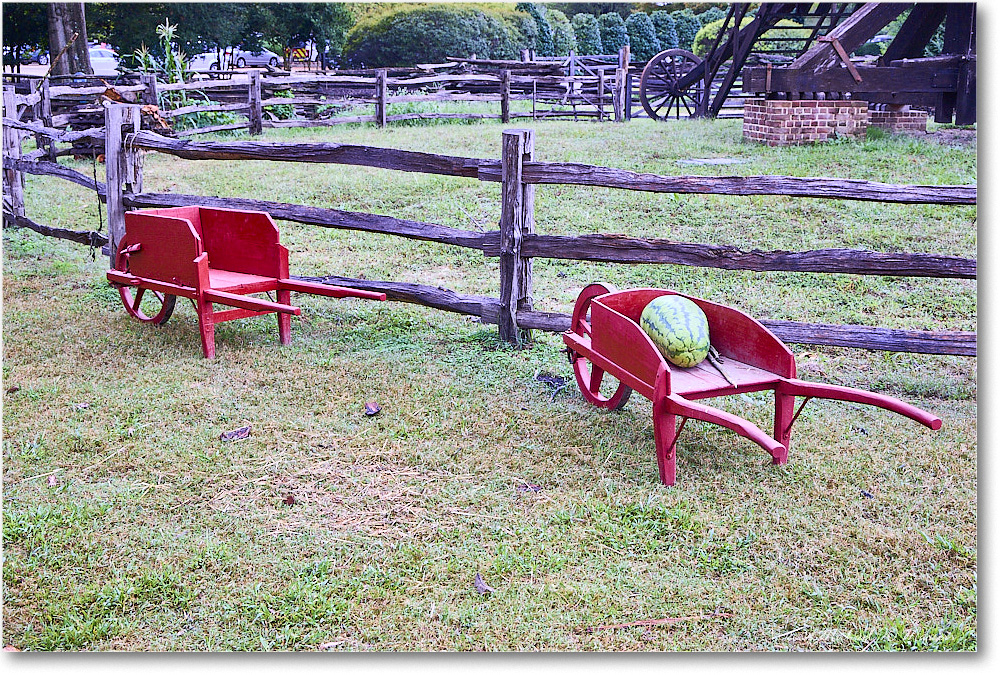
328 290
678 405
798 387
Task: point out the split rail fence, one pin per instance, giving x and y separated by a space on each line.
516 242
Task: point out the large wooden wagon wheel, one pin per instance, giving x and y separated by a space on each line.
589 376
149 306
658 90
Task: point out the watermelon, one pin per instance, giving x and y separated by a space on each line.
678 328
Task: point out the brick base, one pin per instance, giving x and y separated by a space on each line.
801 122
897 120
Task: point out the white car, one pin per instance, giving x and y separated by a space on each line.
243 58
239 58
104 61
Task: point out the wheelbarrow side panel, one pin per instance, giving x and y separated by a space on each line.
168 248
737 336
621 341
243 241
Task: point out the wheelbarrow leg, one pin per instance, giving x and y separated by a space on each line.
284 320
206 325
664 432
784 411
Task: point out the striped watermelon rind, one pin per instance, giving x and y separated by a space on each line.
679 329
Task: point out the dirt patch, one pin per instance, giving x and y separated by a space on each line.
956 138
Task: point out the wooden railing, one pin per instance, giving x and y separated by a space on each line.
516 243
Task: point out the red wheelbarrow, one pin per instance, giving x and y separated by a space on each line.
212 256
605 337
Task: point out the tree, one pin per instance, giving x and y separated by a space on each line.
563 36
322 23
67 19
711 14
588 34
129 26
543 45
25 26
571 9
613 33
666 29
642 36
687 27
412 33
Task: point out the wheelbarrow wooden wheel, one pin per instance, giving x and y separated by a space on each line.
144 304
658 91
597 387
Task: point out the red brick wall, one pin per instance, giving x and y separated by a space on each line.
800 122
895 120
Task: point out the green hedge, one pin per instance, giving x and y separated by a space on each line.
429 33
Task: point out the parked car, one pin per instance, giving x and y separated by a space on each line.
243 58
104 61
36 55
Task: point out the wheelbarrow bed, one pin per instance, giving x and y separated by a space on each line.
605 337
214 257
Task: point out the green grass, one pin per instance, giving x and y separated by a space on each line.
128 524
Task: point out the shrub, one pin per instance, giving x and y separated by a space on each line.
563 37
666 29
543 44
613 33
687 27
703 40
588 34
711 14
409 34
642 36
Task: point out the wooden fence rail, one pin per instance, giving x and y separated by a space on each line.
516 243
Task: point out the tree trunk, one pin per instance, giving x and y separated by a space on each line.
65 19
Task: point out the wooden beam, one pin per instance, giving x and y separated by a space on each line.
332 153
330 218
853 32
617 248
566 173
915 33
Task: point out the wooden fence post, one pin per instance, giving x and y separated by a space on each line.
517 218
256 113
149 94
46 114
381 93
123 172
628 95
600 95
618 94
505 97
624 56
13 180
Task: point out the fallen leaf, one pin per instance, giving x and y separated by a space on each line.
482 586
53 481
290 499
11 390
528 487
236 434
372 408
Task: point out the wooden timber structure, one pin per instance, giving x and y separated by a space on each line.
812 59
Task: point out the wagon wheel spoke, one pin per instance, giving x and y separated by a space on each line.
589 377
154 307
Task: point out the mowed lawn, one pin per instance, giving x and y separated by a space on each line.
129 525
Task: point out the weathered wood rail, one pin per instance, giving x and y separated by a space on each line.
515 242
